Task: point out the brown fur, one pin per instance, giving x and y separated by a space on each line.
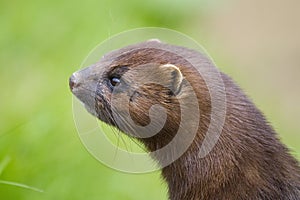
248 161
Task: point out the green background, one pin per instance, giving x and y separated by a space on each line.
43 42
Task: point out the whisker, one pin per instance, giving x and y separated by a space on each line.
118 131
129 128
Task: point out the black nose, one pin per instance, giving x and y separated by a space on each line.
72 82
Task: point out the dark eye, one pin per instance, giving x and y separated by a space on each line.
114 81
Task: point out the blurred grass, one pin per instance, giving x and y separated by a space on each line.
41 44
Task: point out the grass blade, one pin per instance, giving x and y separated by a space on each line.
4 163
21 185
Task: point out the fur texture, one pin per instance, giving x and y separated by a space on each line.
248 161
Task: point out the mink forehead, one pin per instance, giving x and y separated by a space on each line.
117 71
146 55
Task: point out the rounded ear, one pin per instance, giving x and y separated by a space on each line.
172 77
154 40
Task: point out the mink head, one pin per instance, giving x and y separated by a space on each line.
136 89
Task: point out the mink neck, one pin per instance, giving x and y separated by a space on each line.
190 172
245 156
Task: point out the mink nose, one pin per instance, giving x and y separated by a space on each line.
73 82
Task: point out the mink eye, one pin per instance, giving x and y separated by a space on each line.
114 81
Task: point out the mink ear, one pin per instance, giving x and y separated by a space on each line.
154 40
172 77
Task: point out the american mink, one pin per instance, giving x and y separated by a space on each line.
247 162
